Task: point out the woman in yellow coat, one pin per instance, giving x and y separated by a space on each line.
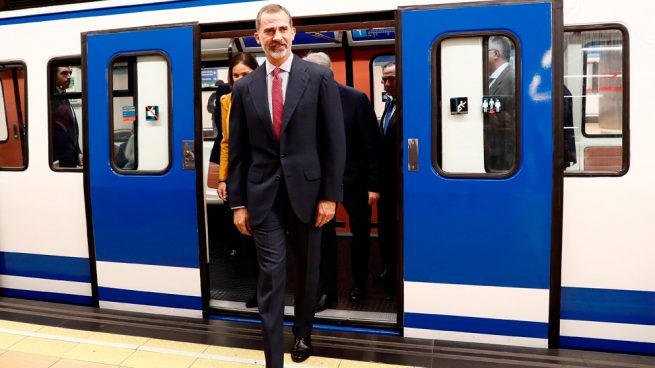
240 65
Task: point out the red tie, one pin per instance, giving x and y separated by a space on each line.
278 103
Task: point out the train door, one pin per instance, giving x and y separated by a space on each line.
142 179
479 96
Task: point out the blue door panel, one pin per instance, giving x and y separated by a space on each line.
143 219
491 232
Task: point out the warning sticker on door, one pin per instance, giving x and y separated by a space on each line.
152 113
129 113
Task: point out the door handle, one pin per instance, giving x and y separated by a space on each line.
188 156
16 136
412 154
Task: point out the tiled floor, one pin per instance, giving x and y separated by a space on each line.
25 345
41 334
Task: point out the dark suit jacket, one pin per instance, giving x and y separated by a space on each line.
310 155
504 84
65 132
500 128
390 157
570 156
363 142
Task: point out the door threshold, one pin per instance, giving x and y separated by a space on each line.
336 315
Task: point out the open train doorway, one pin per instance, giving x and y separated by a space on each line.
357 55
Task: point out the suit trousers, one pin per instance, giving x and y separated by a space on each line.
282 227
359 215
388 231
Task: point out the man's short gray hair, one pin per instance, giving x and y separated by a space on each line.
389 65
502 44
319 58
271 8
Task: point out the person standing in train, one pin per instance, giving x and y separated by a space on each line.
361 183
65 130
286 163
240 65
388 204
499 127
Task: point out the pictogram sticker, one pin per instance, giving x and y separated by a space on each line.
129 113
152 113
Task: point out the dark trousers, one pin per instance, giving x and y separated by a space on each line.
236 240
359 215
388 231
271 237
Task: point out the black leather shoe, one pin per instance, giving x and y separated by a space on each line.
302 349
325 302
357 294
252 302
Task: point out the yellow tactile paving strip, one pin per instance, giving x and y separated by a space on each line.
24 345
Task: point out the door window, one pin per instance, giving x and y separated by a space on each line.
476 105
140 123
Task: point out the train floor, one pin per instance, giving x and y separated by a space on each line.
233 279
37 334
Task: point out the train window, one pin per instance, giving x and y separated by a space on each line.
214 84
13 122
476 100
65 114
595 100
140 114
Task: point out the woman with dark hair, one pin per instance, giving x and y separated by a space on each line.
240 65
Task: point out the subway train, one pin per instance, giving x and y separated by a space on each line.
527 217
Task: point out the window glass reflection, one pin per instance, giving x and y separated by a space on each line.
593 101
66 115
476 89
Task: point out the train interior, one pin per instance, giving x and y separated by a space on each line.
357 57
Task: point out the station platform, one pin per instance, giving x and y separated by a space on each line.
39 334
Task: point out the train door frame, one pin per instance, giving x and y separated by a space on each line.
557 163
197 154
373 19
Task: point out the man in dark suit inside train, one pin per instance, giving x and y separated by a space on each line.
66 152
388 203
499 127
286 163
360 191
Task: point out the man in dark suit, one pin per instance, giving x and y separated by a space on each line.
65 130
500 125
388 204
286 163
360 191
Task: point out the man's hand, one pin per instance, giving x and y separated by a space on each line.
242 221
222 190
373 197
325 212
